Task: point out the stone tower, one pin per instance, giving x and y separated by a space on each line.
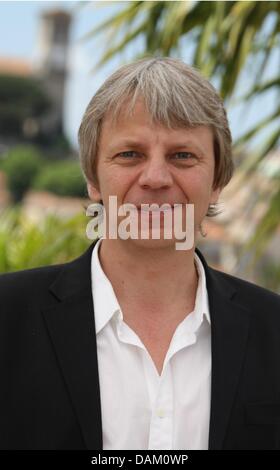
51 65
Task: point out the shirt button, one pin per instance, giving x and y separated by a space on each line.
160 413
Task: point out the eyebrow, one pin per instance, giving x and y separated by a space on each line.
135 143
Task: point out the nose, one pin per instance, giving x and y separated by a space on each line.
155 175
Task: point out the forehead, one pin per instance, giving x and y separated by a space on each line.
138 120
127 114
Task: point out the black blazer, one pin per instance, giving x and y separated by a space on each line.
49 393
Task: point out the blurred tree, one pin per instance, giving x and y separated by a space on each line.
23 101
62 178
226 36
21 164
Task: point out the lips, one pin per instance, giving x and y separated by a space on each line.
162 208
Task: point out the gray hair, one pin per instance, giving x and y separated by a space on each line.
175 95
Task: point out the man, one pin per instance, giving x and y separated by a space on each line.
137 345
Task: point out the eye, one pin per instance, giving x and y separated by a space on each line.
127 154
183 155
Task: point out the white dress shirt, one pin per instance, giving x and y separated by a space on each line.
140 408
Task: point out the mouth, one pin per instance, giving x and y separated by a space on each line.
150 207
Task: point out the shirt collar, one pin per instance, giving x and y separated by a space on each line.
105 301
106 304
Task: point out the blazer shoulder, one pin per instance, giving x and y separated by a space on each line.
250 293
33 285
19 283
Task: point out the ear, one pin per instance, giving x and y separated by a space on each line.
93 192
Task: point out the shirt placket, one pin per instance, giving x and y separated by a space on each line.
161 424
160 394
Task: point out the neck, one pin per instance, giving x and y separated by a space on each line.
153 279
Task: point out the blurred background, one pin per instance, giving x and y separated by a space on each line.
53 58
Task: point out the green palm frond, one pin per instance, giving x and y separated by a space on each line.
260 126
257 90
266 228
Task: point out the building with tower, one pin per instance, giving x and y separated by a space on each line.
51 66
49 69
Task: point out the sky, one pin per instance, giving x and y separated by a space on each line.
19 21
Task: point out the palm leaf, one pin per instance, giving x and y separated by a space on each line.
266 229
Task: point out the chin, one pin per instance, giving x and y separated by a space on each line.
152 243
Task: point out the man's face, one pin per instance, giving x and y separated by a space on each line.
142 163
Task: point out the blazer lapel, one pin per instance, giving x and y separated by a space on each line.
72 329
229 334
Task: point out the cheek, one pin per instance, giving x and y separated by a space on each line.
197 184
112 183
198 189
